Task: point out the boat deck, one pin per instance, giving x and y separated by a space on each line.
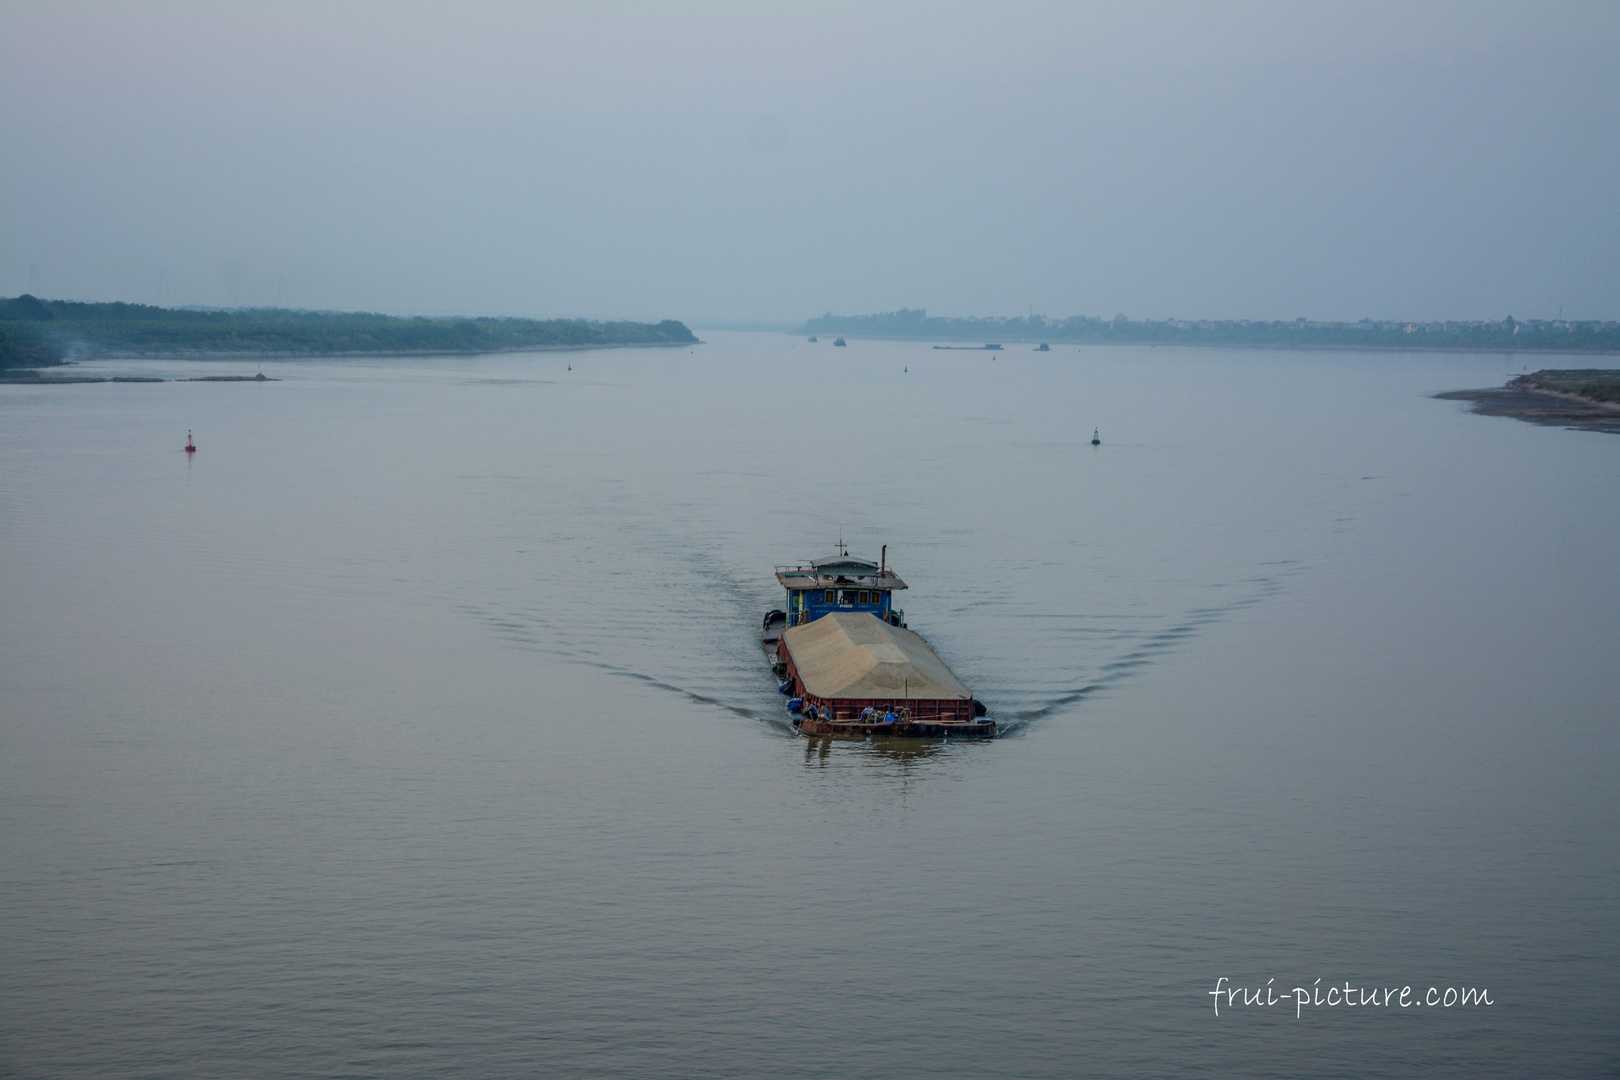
982 728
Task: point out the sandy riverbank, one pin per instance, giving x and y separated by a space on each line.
1540 406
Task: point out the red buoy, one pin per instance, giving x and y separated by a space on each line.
191 447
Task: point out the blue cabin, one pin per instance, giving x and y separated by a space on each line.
841 583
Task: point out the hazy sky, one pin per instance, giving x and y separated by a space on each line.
775 161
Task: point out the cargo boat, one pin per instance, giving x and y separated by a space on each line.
850 666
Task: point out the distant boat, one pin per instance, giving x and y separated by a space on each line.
1044 347
812 339
191 447
838 341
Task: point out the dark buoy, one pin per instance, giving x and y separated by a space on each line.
191 447
1095 441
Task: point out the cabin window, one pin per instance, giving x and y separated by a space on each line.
863 599
832 597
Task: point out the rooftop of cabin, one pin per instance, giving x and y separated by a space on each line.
838 570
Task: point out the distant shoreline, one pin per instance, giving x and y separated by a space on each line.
125 354
37 333
1558 336
32 376
1302 347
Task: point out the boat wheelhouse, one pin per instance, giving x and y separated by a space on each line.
841 583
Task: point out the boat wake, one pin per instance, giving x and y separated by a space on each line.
743 687
1144 653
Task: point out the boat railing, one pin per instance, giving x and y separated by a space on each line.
886 579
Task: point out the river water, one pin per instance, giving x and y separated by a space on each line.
418 726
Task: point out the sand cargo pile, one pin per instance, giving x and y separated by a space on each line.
852 673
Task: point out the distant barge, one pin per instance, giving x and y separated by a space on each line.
849 665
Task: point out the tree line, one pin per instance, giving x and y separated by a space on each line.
915 324
36 332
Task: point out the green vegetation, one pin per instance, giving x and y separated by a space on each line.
22 346
1536 335
1598 384
35 332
